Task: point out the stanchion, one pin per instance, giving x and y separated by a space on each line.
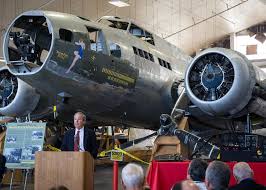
26 178
117 155
115 175
11 180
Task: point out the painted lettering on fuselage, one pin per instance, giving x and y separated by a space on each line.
118 77
61 55
93 65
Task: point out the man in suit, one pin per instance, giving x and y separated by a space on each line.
244 178
81 138
217 176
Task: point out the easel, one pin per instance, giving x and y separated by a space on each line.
25 171
19 150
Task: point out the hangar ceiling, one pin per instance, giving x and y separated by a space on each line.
189 24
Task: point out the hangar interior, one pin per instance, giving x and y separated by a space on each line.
191 25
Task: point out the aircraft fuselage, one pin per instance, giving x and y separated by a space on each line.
106 72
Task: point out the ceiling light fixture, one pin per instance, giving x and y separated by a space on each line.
119 3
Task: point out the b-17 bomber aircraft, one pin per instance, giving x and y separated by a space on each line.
115 70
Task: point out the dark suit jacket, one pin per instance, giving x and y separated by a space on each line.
2 166
89 142
247 184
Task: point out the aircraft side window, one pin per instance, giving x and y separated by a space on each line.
146 55
169 66
93 38
164 64
96 39
135 50
65 35
141 53
99 41
149 38
160 62
115 50
151 57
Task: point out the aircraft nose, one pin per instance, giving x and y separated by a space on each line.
27 43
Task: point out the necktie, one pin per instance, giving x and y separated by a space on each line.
76 142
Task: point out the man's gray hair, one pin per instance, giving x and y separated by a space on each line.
242 171
133 176
82 114
218 175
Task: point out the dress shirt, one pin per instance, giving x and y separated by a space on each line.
201 185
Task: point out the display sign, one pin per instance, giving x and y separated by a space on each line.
21 143
116 155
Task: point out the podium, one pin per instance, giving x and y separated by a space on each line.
72 170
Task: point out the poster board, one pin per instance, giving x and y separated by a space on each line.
21 143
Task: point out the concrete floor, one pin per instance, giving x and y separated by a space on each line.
102 179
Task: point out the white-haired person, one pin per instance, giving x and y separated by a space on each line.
244 178
132 177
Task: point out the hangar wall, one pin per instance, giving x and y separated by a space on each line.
92 9
192 22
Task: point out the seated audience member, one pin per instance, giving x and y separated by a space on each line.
196 172
185 185
217 176
244 178
132 177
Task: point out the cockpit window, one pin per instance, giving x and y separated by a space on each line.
136 31
114 24
65 35
115 49
142 34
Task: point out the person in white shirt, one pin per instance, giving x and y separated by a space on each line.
196 172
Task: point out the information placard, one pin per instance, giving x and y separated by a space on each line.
21 143
116 155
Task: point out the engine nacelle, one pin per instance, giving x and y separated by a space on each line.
220 81
17 98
